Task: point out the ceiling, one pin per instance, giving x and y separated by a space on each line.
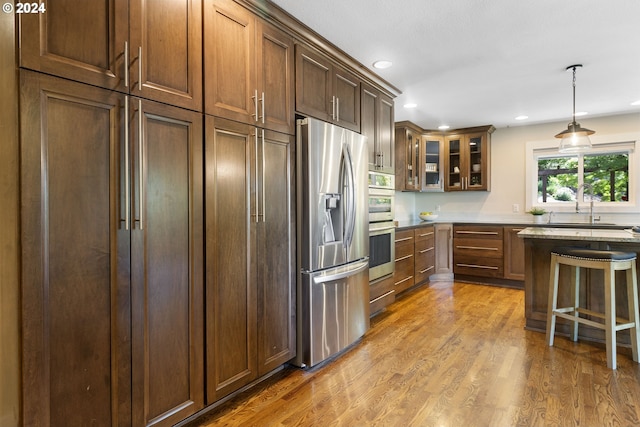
476 62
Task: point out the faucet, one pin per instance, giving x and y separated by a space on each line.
583 187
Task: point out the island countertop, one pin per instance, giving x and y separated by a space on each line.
580 234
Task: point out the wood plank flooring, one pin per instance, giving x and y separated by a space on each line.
448 354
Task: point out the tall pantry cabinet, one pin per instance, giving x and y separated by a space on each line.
112 256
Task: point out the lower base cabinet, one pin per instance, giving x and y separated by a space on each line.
250 229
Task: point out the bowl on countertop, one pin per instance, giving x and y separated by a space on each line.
428 217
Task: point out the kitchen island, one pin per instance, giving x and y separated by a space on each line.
539 242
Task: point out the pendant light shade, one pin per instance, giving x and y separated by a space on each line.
575 138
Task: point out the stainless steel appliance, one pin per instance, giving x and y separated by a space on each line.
382 230
333 248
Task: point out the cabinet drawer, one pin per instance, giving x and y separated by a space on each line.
381 294
403 252
404 237
476 266
478 232
425 267
481 248
424 233
403 274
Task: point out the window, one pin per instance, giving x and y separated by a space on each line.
607 174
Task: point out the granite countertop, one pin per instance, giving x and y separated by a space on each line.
507 221
586 234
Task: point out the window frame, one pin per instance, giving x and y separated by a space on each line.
601 144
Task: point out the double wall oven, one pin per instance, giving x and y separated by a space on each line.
382 230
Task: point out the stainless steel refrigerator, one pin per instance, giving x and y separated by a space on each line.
333 244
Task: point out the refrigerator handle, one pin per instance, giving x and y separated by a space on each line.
342 273
351 199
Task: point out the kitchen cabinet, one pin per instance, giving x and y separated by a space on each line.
478 250
112 316
444 251
408 159
377 125
513 253
325 90
151 50
250 231
432 163
467 159
424 254
381 294
403 275
249 68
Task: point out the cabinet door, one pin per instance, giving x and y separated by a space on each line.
455 162
275 248
230 89
377 124
166 51
346 100
275 85
431 163
513 254
79 40
314 76
444 249
167 264
76 315
386 140
231 356
477 169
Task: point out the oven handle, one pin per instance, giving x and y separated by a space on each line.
391 227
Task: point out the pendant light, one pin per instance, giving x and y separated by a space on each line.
575 139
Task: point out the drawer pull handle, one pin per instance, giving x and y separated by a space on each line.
426 269
403 280
403 240
426 250
491 233
404 257
476 247
382 296
426 234
486 267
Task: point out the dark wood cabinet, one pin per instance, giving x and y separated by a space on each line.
424 253
249 68
403 275
377 124
407 147
513 254
149 49
112 282
444 251
468 160
478 250
249 246
431 163
326 91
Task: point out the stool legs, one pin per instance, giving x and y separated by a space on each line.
632 300
575 298
553 299
610 315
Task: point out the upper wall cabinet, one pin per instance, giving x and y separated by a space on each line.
249 68
150 49
432 163
407 157
468 161
326 91
378 126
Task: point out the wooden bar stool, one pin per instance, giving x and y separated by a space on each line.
609 262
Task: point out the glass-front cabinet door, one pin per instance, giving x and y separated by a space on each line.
467 161
432 163
455 162
476 166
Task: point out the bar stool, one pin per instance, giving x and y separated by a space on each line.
609 262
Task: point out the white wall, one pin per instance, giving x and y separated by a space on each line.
507 173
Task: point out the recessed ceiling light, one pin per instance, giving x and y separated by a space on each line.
636 102
382 64
444 127
410 105
522 117
581 113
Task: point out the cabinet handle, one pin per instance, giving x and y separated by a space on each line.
333 107
486 267
426 234
262 104
140 162
140 68
482 248
426 250
491 233
264 210
403 239
404 257
403 280
126 64
127 195
337 109
426 269
382 296
255 105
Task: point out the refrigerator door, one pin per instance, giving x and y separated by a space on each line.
335 311
333 195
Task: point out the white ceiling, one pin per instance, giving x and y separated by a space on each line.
476 62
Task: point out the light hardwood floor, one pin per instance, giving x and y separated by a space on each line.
449 354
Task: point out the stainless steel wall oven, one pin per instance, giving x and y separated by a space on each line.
382 229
